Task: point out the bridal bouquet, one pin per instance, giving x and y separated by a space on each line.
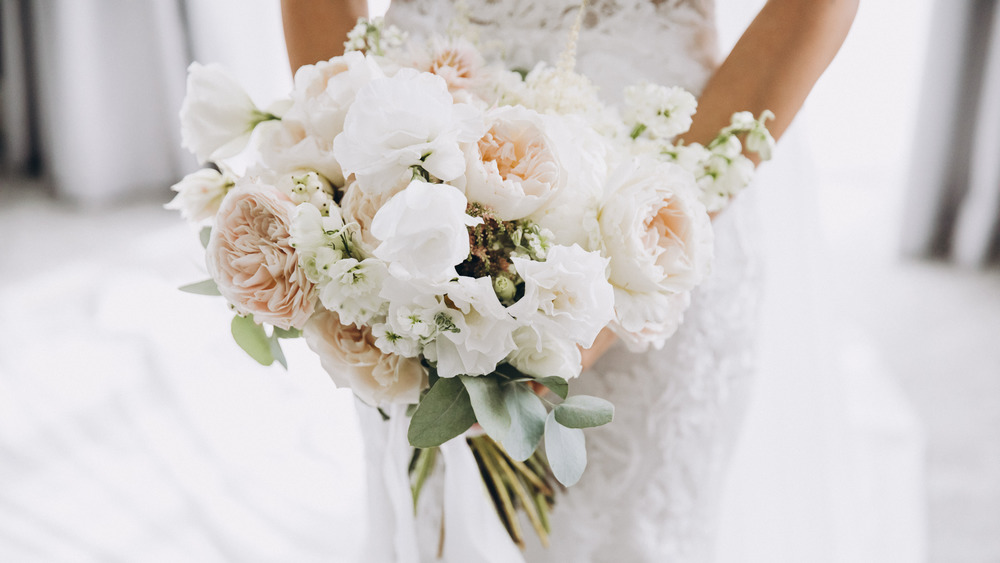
448 234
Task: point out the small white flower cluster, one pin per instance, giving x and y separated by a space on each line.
434 211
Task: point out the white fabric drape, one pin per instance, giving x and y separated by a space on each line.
954 204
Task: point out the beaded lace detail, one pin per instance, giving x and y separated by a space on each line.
654 474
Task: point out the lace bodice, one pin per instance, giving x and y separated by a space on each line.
654 475
621 41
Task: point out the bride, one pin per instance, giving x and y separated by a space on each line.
651 490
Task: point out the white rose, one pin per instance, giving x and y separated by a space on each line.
540 354
568 293
217 115
423 230
350 357
659 239
514 169
480 334
200 194
403 121
324 91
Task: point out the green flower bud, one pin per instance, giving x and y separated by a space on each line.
504 288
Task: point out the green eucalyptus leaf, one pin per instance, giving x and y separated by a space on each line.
206 287
252 338
488 404
276 351
584 411
443 413
556 384
204 235
566 450
527 421
287 333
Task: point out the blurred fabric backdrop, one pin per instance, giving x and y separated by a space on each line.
113 448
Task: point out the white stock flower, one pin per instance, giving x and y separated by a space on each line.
423 230
200 194
217 116
514 168
568 293
482 335
318 240
403 121
353 289
658 111
659 239
725 172
540 354
350 357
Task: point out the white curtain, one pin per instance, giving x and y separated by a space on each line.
953 209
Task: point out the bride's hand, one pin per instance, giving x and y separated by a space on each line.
605 339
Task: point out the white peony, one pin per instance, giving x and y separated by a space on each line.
217 116
286 147
200 194
568 293
514 168
657 111
423 230
648 319
404 121
477 336
324 91
658 237
541 354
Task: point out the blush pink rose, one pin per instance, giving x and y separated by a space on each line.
251 259
349 355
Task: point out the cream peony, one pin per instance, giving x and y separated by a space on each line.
514 168
350 357
424 232
403 121
456 60
658 237
251 258
217 115
567 294
200 193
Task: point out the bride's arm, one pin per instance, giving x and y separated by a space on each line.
315 30
774 65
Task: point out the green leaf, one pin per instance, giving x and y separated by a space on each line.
557 385
488 404
527 421
252 338
566 450
204 235
443 413
276 351
289 333
206 287
584 411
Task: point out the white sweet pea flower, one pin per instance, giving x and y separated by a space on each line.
353 290
217 116
658 111
477 336
539 353
423 230
568 293
659 239
200 194
404 121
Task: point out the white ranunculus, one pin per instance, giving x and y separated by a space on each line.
402 121
658 237
648 319
571 212
514 168
540 354
286 147
423 230
217 116
568 293
476 336
325 90
353 290
200 194
658 111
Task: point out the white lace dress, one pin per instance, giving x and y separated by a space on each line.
654 475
